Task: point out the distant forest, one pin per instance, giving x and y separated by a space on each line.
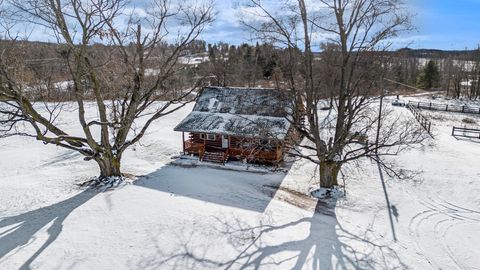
264 65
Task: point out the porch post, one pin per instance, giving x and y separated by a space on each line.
278 150
183 142
228 144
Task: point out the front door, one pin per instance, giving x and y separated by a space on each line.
224 141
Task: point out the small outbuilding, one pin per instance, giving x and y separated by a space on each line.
249 124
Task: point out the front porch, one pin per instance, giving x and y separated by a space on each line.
220 148
207 148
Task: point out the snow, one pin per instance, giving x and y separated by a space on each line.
244 101
241 166
235 124
197 217
253 112
328 193
193 60
64 85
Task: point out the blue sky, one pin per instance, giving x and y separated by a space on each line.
440 24
447 24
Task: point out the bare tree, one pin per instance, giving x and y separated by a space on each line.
120 61
475 81
448 69
459 77
357 32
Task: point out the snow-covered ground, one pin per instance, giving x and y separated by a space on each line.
187 217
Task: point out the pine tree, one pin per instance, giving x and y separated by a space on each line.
429 77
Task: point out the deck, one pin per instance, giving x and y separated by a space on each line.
207 152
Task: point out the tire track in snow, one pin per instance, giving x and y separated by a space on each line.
438 220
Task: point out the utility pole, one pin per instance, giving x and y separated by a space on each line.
379 118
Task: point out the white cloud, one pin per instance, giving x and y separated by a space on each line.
136 11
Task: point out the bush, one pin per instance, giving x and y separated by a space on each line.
468 121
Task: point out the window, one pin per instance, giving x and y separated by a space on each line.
211 137
208 137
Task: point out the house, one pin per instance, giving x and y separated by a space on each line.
248 124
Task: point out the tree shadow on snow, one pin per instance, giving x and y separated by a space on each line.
327 245
245 190
465 139
65 157
19 231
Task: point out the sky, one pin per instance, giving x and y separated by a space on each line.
447 24
440 24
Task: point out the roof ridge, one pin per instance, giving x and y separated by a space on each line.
240 115
243 88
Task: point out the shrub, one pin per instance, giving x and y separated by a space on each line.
468 121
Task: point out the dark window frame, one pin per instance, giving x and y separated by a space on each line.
210 139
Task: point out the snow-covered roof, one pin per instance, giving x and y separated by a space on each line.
250 112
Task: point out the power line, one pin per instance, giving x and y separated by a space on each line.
402 84
43 60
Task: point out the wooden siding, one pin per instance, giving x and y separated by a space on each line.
239 148
216 144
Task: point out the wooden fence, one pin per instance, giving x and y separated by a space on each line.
445 107
466 132
422 120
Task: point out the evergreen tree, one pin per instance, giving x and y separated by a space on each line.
429 77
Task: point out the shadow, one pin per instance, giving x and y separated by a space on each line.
395 212
325 244
465 139
19 231
223 187
392 210
271 239
67 156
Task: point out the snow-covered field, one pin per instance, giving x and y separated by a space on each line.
204 218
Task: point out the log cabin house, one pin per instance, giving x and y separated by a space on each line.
248 124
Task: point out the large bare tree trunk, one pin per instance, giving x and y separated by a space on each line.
112 77
109 167
353 58
329 173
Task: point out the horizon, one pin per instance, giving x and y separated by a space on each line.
439 25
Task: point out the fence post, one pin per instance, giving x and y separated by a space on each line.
463 108
418 104
453 130
446 108
429 126
430 106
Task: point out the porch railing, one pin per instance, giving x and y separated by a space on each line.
193 147
262 155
